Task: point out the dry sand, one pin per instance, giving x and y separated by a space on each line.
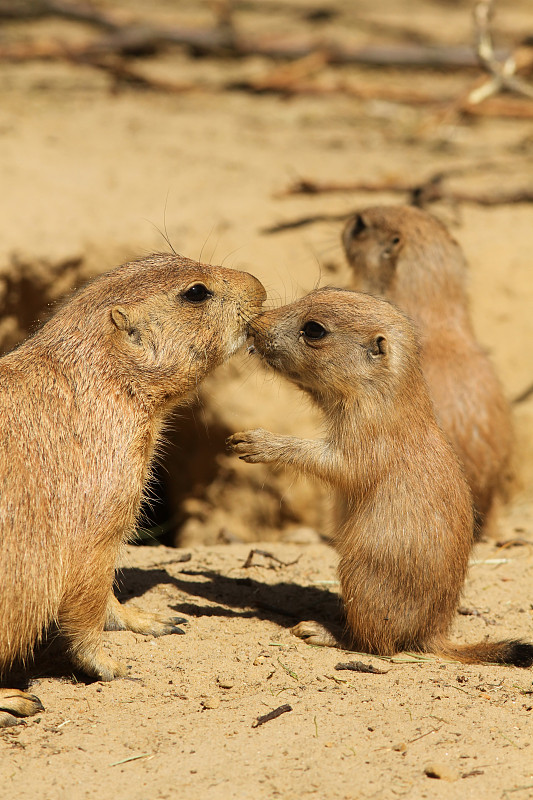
87 177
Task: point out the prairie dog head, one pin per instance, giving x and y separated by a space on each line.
167 321
401 252
372 245
339 345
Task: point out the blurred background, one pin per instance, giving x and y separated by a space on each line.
243 133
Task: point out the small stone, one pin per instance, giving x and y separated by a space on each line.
210 702
225 683
441 771
401 747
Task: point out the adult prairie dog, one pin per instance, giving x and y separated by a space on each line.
407 256
82 408
405 528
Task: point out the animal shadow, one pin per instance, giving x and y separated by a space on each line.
283 603
217 595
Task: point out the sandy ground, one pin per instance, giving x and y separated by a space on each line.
182 724
88 177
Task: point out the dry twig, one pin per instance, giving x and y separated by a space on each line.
223 39
419 194
358 666
503 73
277 712
305 54
255 552
523 396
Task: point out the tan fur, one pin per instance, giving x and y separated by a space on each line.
406 529
82 407
408 257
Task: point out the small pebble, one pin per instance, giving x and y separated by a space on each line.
225 683
401 747
211 702
441 771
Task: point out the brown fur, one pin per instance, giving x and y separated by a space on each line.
408 257
82 406
406 529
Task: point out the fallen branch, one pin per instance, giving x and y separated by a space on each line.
111 53
249 561
291 80
503 73
213 42
277 712
37 9
303 221
106 55
419 195
305 54
358 666
509 107
523 396
224 40
480 100
307 186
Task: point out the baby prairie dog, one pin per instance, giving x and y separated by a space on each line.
83 404
408 257
405 525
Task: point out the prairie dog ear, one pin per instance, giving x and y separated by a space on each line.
124 320
358 225
378 347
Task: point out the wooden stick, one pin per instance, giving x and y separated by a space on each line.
224 40
503 73
419 195
109 52
429 190
523 396
35 9
302 221
277 712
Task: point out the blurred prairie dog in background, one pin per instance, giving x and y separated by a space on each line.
407 256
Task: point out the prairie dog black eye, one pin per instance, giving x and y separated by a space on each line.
197 293
313 330
395 240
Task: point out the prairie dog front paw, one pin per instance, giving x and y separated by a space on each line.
255 447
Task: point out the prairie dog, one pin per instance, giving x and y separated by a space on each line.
83 404
407 256
406 525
